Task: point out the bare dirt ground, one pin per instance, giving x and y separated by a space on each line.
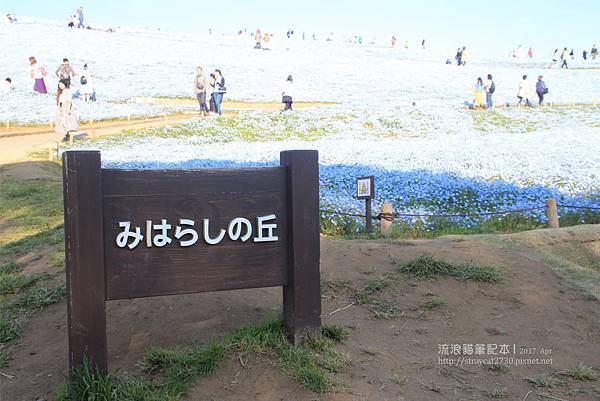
390 359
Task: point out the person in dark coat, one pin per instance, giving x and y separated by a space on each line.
541 89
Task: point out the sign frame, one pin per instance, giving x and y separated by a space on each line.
371 186
91 192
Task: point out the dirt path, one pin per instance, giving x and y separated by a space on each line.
26 139
17 141
395 358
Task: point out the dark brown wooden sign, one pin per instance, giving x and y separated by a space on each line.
143 233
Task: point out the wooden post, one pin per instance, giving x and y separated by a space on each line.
302 294
368 218
386 225
51 153
8 125
84 257
552 213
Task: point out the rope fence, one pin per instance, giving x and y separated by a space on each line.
389 216
386 216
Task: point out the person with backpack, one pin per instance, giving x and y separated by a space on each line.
200 88
490 88
541 89
65 72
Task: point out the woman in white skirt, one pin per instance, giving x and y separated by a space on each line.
66 121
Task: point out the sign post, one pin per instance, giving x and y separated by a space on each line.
365 189
142 233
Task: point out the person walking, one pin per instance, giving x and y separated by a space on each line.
200 88
86 84
287 94
211 89
541 89
80 17
220 90
37 73
65 72
490 88
258 39
66 120
523 92
564 56
594 52
464 56
458 57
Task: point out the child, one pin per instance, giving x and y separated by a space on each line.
7 86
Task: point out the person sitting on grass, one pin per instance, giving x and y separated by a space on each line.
7 86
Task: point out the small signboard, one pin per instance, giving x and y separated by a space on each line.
147 233
365 187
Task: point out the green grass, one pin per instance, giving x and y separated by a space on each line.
582 373
31 214
487 120
434 302
426 267
546 381
169 374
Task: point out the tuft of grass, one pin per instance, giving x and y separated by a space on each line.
498 393
471 271
426 267
374 286
583 373
168 374
433 302
333 332
497 368
88 384
545 381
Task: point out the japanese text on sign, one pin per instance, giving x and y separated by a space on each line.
158 234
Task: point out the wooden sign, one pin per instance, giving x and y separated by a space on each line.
143 233
365 187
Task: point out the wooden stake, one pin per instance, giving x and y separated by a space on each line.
368 219
386 225
552 213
